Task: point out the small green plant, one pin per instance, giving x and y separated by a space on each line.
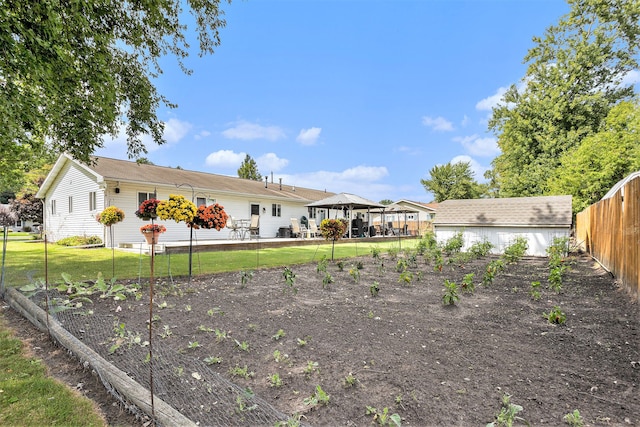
374 289
534 291
166 332
322 265
401 265
243 372
275 380
320 397
574 419
290 280
438 261
187 308
359 265
278 356
480 249
245 277
278 335
508 413
220 335
467 284
375 252
555 277
454 244
355 274
213 360
491 271
244 346
393 252
370 314
405 278
193 345
340 265
292 421
555 316
310 368
516 250
383 417
203 328
327 280
215 310
350 381
450 293
241 401
302 341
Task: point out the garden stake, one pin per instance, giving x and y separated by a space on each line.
153 252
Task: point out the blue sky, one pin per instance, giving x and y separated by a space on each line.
350 96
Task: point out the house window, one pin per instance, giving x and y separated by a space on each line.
276 209
70 204
313 212
92 201
201 201
145 196
53 207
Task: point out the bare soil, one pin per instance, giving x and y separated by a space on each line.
432 364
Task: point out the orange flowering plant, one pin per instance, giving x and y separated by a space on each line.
208 217
153 228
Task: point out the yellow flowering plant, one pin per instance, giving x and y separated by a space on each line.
110 215
177 208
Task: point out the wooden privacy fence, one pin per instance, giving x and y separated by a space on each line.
610 231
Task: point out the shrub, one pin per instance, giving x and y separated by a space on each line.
79 241
517 249
481 249
454 244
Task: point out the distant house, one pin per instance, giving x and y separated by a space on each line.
417 216
500 221
20 224
74 193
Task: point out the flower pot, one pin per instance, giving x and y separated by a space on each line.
151 237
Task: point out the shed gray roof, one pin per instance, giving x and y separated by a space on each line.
127 171
545 211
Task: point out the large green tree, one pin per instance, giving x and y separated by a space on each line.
74 71
573 80
602 159
452 181
249 169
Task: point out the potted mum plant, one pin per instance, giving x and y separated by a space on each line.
177 208
210 217
151 232
147 209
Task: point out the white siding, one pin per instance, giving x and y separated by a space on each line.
76 183
237 206
538 239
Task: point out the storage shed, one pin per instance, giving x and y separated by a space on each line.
500 221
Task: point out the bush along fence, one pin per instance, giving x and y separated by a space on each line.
609 230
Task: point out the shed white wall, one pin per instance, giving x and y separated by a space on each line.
76 183
538 239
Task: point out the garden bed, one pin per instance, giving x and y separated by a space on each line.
402 350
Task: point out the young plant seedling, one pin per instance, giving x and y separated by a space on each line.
278 335
213 360
383 417
322 265
220 335
508 413
467 283
574 419
327 280
310 368
290 280
555 316
340 265
450 293
241 372
241 402
203 328
244 346
355 274
534 292
401 265
350 381
245 277
320 397
193 345
375 252
275 380
405 278
279 356
374 289
302 342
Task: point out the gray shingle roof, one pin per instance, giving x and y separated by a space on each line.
516 211
126 171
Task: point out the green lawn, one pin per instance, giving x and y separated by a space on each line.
25 260
29 398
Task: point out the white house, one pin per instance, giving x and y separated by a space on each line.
74 193
500 221
19 224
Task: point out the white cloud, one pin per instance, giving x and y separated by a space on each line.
175 130
437 123
270 162
631 78
487 104
360 180
309 136
201 134
248 131
225 159
484 147
476 167
465 121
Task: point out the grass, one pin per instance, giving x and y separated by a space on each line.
25 260
28 397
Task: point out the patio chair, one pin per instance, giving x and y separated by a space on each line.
313 228
232 225
254 227
296 229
